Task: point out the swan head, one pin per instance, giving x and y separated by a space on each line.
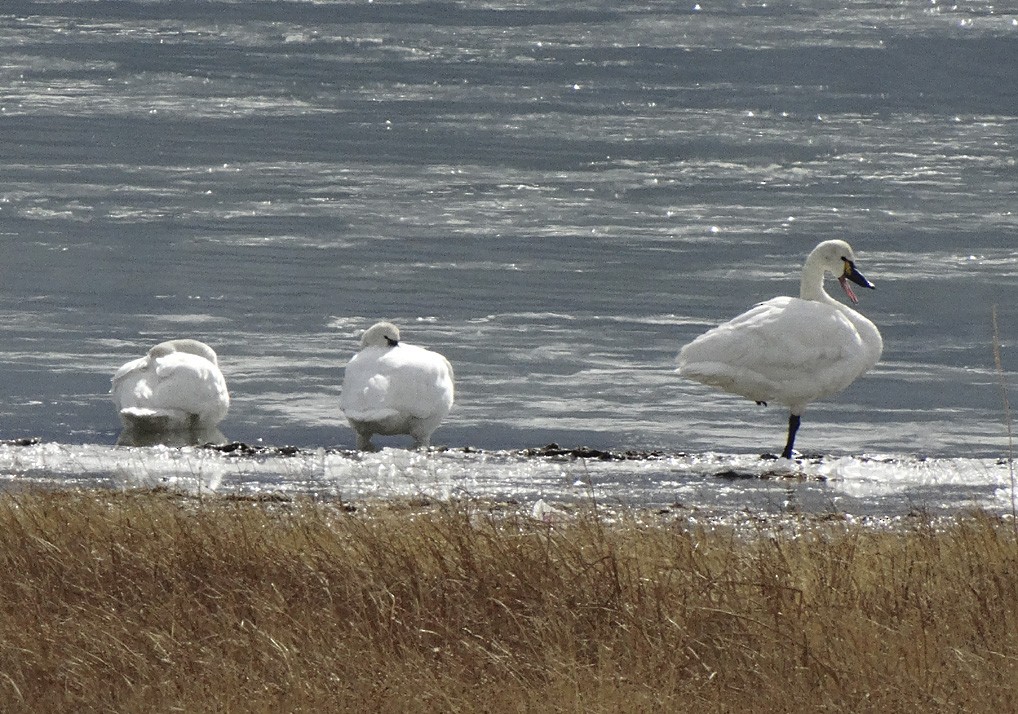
835 257
381 334
190 346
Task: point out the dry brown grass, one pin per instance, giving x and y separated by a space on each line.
149 602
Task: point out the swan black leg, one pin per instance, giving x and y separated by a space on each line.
793 427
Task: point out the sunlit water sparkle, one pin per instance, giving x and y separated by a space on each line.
706 485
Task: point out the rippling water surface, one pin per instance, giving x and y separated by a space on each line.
556 195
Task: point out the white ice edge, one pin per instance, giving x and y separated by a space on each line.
712 481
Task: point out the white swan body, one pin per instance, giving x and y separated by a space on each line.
176 393
391 388
787 350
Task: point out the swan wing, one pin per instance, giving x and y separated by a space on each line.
406 380
366 386
131 385
191 384
785 350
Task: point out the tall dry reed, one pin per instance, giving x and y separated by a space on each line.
151 602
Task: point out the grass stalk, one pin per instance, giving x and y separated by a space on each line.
1008 422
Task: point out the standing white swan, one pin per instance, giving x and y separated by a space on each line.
788 350
391 387
174 395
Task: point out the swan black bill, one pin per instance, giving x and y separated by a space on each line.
853 274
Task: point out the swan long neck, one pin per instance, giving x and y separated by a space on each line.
184 345
812 285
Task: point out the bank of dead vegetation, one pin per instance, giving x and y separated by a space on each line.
145 601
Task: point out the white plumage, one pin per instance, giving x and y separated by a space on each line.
391 387
175 394
787 350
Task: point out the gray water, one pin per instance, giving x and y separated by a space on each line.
555 195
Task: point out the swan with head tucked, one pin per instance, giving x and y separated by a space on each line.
391 388
788 350
174 395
